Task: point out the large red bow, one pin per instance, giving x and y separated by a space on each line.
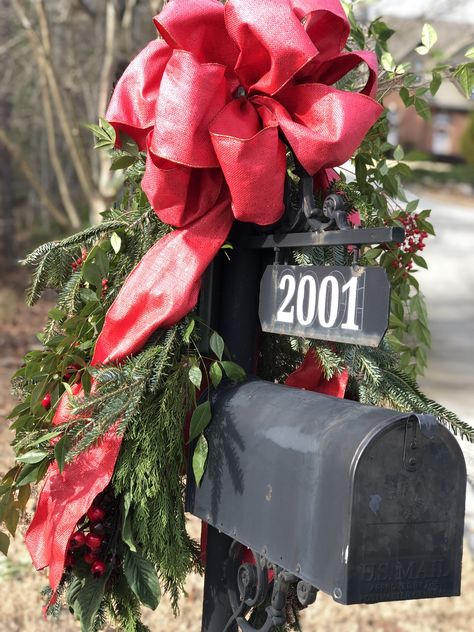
210 104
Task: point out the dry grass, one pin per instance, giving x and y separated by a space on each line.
20 604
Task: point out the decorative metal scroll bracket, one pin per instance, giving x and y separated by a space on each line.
307 225
248 586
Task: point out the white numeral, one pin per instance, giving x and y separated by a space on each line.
334 301
351 287
284 315
309 281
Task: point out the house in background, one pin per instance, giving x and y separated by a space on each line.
454 23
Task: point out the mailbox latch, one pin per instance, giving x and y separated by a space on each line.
412 445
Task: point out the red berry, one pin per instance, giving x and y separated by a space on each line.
104 282
78 539
90 557
98 528
46 401
96 514
98 568
94 542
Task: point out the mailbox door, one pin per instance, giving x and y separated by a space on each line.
407 517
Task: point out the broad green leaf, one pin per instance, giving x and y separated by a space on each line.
142 579
420 261
127 533
48 436
233 371
189 331
217 344
11 518
23 496
31 472
469 53
398 154
115 242
73 590
200 459
108 129
122 162
464 74
88 600
56 314
216 374
18 410
200 420
412 206
422 108
435 83
60 450
102 262
33 456
6 504
387 61
91 273
429 37
422 50
195 376
4 543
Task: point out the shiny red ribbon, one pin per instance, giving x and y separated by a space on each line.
210 103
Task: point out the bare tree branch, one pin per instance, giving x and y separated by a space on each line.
46 68
32 179
56 161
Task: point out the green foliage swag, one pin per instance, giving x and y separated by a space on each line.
148 397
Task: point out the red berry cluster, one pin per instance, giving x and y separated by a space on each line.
90 541
414 241
78 262
105 287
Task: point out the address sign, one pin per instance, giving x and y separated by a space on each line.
338 303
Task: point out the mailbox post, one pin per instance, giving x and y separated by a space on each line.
364 503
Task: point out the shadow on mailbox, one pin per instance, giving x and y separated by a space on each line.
363 503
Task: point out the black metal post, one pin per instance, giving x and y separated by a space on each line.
238 324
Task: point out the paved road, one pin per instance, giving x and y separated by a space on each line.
449 289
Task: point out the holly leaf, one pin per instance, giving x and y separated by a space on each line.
217 344
195 376
4 543
142 579
216 374
233 371
201 452
200 419
60 450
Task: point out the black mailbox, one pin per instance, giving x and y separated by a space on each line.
363 503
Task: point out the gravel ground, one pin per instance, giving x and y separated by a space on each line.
20 604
